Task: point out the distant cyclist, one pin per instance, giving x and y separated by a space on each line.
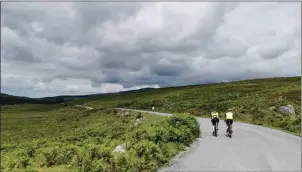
229 119
214 120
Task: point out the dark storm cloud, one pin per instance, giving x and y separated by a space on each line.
83 48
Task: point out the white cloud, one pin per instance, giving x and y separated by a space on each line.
83 48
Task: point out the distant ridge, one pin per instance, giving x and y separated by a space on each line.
11 99
7 99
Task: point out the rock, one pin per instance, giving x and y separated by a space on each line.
138 121
87 107
120 148
272 108
280 98
287 109
122 113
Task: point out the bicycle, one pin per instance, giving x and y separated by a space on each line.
229 131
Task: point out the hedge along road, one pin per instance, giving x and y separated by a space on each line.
252 148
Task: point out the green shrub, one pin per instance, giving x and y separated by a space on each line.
148 150
185 120
158 134
100 165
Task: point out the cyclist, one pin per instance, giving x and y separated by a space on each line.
229 119
214 120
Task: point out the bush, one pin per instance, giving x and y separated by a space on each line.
58 155
186 121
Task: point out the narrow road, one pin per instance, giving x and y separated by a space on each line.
252 148
86 107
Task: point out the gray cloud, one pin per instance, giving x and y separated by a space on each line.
92 47
230 48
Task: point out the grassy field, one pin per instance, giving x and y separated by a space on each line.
59 138
250 101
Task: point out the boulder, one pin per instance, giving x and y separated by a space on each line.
120 148
289 109
138 121
272 108
280 98
87 107
123 113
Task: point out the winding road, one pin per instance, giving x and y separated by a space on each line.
252 148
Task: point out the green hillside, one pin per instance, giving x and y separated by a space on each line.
52 138
251 100
7 99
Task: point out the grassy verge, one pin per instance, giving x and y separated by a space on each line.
58 138
252 101
268 125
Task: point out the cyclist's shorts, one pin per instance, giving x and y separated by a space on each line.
229 121
214 120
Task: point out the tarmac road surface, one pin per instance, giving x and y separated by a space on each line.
252 148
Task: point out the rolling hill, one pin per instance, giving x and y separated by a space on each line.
254 101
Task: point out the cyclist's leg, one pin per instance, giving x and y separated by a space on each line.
217 123
227 123
231 125
213 123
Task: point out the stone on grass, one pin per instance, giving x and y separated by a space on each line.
120 148
289 109
272 108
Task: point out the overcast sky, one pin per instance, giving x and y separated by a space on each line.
50 49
